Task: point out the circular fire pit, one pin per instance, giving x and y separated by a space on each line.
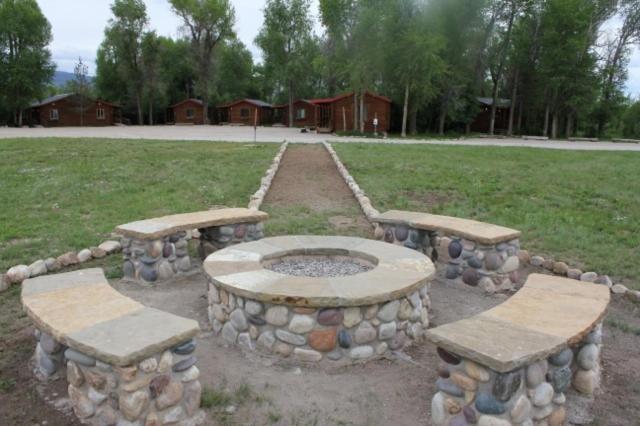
317 298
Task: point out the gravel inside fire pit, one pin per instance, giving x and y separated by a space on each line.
314 267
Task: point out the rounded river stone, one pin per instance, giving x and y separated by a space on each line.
185 364
561 378
452 272
185 348
470 277
344 339
561 358
505 385
388 236
487 404
330 317
149 274
493 261
447 386
402 232
448 357
256 320
455 249
474 262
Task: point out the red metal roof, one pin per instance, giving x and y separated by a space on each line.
197 101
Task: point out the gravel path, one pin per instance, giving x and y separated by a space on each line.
276 134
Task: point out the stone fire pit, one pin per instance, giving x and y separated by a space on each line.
319 298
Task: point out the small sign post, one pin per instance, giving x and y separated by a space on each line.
375 125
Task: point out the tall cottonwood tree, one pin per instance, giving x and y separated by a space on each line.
285 39
207 23
25 60
123 41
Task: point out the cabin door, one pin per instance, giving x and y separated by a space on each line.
324 118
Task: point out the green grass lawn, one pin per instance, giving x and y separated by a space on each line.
576 206
58 195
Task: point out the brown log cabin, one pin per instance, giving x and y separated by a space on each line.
337 113
70 109
189 111
247 112
482 121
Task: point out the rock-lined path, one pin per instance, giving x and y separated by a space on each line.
309 187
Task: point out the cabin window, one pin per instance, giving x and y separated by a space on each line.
190 113
244 112
53 115
301 114
100 113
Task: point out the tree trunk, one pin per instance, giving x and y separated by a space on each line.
413 120
150 112
569 126
405 111
554 126
442 118
290 104
498 76
512 109
205 111
545 129
139 106
355 111
362 118
519 125
20 117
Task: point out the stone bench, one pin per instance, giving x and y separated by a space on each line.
476 252
157 249
125 363
513 364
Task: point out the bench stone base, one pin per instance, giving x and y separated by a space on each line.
492 267
306 334
219 237
153 261
49 356
161 389
469 393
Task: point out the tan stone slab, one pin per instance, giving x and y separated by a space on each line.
399 271
162 226
561 310
484 233
499 345
64 311
46 283
130 338
547 314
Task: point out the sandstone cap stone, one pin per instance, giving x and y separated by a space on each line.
548 314
481 232
399 272
82 311
150 229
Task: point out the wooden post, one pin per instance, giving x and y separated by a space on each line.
344 119
255 126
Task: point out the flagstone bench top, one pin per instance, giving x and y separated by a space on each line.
484 233
81 310
399 271
159 227
547 315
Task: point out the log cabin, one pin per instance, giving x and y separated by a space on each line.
481 123
69 110
247 112
188 111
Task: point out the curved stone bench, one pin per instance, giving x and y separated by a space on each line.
124 362
157 250
473 250
512 364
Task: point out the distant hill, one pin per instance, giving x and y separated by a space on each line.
60 78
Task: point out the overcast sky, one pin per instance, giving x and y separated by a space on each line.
78 28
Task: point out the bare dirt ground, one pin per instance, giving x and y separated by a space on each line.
248 388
